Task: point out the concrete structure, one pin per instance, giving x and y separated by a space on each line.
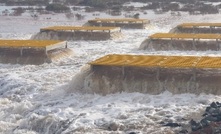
198 28
152 74
123 23
31 51
76 33
181 41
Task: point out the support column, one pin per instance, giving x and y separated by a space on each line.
194 79
46 52
158 73
194 29
194 44
217 44
21 51
66 44
123 72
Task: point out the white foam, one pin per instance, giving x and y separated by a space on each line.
38 99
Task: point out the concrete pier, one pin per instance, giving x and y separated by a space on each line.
214 28
128 23
182 42
152 74
76 33
30 51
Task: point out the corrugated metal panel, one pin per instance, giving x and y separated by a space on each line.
159 61
184 36
128 60
180 61
209 62
27 43
200 25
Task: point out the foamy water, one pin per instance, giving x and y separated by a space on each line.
40 100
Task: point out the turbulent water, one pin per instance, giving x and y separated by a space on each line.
40 99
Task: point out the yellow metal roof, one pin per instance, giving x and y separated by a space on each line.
159 61
27 43
179 61
200 25
128 60
64 28
209 62
184 36
117 20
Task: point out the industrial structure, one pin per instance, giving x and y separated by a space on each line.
153 74
31 51
121 22
214 28
76 33
182 41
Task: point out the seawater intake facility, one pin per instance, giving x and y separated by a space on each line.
120 22
32 51
214 28
182 42
152 74
77 33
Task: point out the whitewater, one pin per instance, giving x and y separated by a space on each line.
39 99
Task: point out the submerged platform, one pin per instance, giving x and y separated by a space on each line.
182 42
152 74
31 51
214 28
76 33
123 23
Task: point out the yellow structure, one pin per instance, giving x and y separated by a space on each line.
182 42
158 61
28 43
84 28
153 74
189 25
214 28
120 22
45 45
32 51
184 36
77 33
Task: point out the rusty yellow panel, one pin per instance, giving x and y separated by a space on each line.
159 61
162 35
192 24
27 43
200 25
148 61
64 28
207 36
180 62
209 62
172 35
113 60
185 36
129 60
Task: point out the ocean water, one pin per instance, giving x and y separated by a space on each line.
39 99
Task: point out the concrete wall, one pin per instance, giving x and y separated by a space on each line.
106 80
65 35
30 56
182 45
